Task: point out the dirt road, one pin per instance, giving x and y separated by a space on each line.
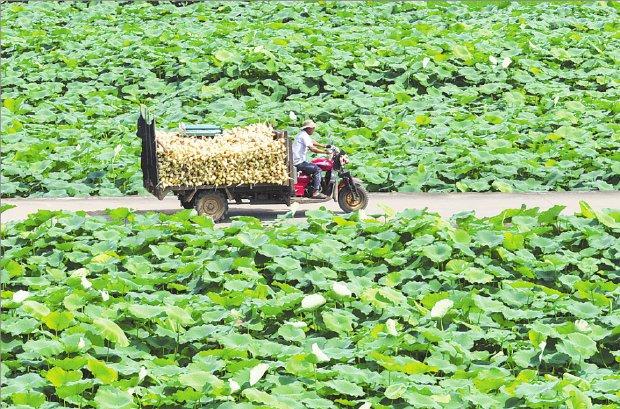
446 204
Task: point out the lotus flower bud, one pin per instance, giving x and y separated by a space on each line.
341 289
320 355
257 373
312 301
441 308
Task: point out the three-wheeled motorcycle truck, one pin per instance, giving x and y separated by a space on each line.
337 183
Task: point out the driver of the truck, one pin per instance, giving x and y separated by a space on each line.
303 142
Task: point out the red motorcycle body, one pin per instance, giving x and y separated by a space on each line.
324 163
301 184
304 180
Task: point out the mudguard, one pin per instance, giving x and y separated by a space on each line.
355 180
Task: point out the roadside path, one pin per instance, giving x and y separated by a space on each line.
446 204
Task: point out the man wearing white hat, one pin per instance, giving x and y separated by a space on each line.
302 143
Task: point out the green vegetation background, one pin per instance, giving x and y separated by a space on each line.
474 96
410 310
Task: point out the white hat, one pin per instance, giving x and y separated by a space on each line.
309 123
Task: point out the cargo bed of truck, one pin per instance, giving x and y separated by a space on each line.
216 197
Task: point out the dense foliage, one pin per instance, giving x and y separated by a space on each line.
427 96
409 310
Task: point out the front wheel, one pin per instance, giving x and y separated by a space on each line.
212 204
351 201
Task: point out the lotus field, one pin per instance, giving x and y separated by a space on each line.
426 96
148 310
398 311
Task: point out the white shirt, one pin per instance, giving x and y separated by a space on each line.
300 147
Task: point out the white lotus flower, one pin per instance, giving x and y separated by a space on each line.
582 326
391 327
292 116
493 60
506 62
131 391
366 405
441 308
117 149
298 324
80 272
85 283
257 373
234 386
104 295
294 207
320 355
441 398
81 343
20 295
425 62
142 374
542 346
341 289
312 301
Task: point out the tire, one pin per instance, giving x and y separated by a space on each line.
212 204
347 201
186 204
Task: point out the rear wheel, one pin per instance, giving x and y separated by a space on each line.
187 204
212 204
351 201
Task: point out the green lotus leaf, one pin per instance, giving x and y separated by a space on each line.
578 346
101 371
109 397
489 238
58 376
111 331
29 399
36 309
292 333
338 321
58 320
345 387
437 252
